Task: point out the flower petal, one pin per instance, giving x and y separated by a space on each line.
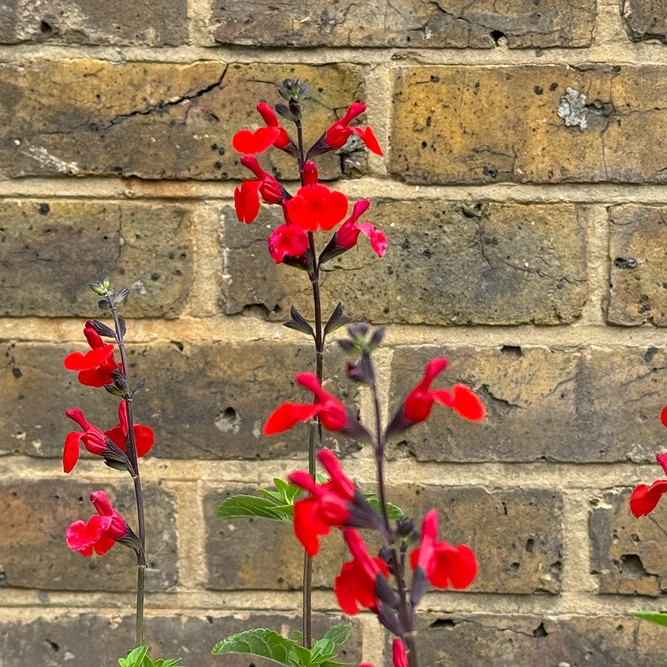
71 450
644 499
246 201
143 439
287 415
252 143
76 361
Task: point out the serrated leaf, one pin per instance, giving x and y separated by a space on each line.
289 492
274 495
260 642
243 506
338 634
394 511
653 616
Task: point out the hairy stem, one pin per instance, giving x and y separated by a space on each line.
131 447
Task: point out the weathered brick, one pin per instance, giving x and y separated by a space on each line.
78 242
458 124
153 120
628 554
139 22
595 404
448 263
638 290
86 640
8 15
205 401
33 553
527 641
645 19
516 534
445 23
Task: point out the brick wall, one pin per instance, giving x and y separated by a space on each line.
524 200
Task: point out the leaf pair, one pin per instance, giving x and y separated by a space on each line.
277 505
268 644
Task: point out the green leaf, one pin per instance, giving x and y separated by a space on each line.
338 634
394 511
653 616
288 492
301 656
242 506
260 642
134 658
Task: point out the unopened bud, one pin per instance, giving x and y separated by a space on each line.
100 288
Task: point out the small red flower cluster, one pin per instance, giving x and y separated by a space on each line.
94 367
314 206
644 499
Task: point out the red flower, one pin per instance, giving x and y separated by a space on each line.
329 505
143 435
270 119
348 234
94 367
252 143
399 654
418 404
102 530
287 241
338 133
246 195
442 563
644 499
92 438
332 413
315 206
356 584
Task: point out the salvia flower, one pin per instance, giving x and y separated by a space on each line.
90 436
271 120
335 503
339 132
360 579
248 142
95 366
315 206
101 531
644 499
287 241
247 195
419 402
332 413
439 563
348 233
143 435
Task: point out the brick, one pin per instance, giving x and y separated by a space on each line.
644 20
483 263
415 24
33 553
457 124
526 641
84 640
80 242
153 120
627 554
128 22
516 534
205 401
638 291
259 554
590 405
8 14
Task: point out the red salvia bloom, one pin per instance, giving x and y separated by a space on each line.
356 584
339 132
271 120
246 195
92 438
442 563
248 142
418 404
102 530
348 234
94 367
399 654
644 499
329 505
315 206
287 241
331 411
143 435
